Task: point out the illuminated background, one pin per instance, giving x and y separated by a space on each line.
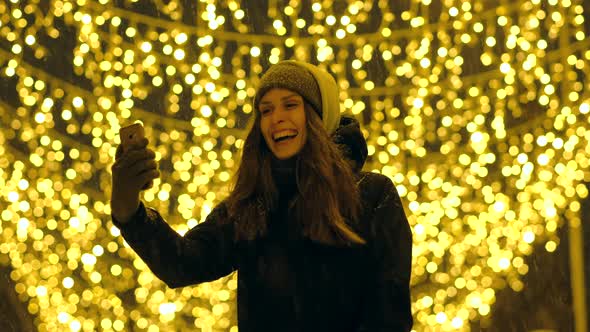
478 111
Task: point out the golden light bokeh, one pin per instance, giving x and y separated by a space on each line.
478 112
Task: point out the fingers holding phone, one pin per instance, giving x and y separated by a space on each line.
134 170
133 160
121 149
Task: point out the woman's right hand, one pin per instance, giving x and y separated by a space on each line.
134 169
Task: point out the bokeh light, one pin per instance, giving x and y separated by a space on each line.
478 112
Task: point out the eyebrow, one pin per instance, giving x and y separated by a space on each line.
284 98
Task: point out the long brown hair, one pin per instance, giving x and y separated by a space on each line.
326 197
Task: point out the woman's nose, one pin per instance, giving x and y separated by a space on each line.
278 115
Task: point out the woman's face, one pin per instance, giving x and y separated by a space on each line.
282 121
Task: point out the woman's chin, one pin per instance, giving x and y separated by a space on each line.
283 154
287 149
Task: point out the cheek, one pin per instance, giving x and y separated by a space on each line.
302 138
300 121
263 130
266 139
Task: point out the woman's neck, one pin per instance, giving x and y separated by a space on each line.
283 172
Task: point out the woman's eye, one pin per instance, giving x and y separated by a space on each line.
291 105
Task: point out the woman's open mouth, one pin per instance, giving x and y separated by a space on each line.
284 137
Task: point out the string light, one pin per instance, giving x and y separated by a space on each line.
480 119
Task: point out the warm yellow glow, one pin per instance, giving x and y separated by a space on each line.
493 141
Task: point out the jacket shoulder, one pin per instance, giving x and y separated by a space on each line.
372 187
373 181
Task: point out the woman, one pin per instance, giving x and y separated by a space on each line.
319 244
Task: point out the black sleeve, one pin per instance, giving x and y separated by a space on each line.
388 306
205 253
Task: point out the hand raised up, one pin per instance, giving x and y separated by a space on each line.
134 170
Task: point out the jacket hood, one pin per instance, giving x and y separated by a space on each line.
352 143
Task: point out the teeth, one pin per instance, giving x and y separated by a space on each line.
283 134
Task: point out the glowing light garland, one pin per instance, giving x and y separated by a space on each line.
478 112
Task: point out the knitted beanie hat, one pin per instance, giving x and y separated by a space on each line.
315 85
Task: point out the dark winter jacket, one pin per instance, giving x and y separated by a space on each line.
290 283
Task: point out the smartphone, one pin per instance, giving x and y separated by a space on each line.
132 135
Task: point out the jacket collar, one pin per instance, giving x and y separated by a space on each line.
352 143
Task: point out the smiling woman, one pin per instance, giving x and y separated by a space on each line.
299 100
282 122
319 244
